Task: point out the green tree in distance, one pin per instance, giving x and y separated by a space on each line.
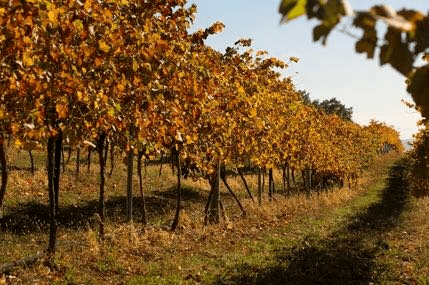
404 46
330 106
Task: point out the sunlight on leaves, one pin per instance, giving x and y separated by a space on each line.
291 9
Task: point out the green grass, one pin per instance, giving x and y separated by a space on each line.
301 239
311 249
341 247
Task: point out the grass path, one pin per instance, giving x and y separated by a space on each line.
343 247
350 244
374 234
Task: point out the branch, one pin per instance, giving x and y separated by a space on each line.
344 31
24 262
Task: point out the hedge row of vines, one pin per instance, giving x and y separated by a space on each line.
130 74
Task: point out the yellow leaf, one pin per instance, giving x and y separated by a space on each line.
103 46
88 5
62 110
107 13
27 59
17 33
52 16
259 124
27 40
1 114
135 65
253 112
28 21
241 90
78 24
292 9
18 143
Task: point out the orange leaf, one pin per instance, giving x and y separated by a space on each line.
121 87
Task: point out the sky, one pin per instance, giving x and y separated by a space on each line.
334 70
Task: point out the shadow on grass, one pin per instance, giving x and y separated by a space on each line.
347 256
33 216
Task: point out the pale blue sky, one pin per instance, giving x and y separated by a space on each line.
329 71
